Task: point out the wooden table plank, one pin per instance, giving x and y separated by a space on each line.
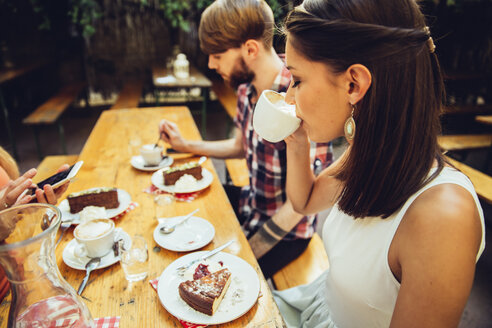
116 137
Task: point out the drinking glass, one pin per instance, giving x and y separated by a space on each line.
135 259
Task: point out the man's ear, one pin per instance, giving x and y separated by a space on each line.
359 80
250 50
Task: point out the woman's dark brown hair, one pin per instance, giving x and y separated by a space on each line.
398 119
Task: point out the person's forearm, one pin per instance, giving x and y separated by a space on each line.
219 149
274 230
300 177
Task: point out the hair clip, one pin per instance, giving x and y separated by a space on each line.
430 41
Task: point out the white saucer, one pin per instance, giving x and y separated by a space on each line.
193 234
78 263
139 163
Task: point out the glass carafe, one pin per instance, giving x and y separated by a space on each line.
40 296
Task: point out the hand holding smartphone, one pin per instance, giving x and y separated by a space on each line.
59 178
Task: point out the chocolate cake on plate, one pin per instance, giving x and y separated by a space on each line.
172 174
206 293
103 197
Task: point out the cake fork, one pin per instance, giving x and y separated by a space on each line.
182 269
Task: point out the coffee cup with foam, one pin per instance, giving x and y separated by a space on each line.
151 154
274 119
95 238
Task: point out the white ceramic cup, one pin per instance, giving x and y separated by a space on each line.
95 238
151 155
273 119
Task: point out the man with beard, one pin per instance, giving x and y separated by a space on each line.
238 37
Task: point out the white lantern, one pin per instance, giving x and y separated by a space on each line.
181 67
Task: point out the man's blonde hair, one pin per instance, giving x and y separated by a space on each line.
227 24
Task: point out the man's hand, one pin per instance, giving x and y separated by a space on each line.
170 133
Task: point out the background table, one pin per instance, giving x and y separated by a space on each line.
117 137
195 80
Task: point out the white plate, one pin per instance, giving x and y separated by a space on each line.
240 297
193 234
79 263
139 163
206 180
123 197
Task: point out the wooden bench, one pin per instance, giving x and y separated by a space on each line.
129 96
481 181
236 168
50 164
238 171
466 141
227 97
467 109
304 269
50 112
486 119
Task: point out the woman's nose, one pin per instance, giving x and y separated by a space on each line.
289 96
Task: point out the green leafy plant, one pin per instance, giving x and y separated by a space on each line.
180 13
83 14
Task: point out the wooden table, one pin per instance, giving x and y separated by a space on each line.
117 137
6 75
195 80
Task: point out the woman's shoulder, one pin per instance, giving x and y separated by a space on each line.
441 218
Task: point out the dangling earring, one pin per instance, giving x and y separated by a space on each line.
349 127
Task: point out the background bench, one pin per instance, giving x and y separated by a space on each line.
237 169
306 268
51 110
129 96
481 181
466 141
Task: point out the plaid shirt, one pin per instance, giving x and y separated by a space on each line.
267 164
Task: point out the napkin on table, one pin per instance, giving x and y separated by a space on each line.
130 207
184 197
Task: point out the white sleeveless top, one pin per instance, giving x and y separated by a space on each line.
361 290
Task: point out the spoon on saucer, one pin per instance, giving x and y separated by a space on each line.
91 265
167 230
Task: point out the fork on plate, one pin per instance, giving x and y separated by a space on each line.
182 269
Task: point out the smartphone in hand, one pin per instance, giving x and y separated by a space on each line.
59 178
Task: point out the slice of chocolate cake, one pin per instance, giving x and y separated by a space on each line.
172 174
206 293
103 197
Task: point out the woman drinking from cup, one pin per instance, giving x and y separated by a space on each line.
406 228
